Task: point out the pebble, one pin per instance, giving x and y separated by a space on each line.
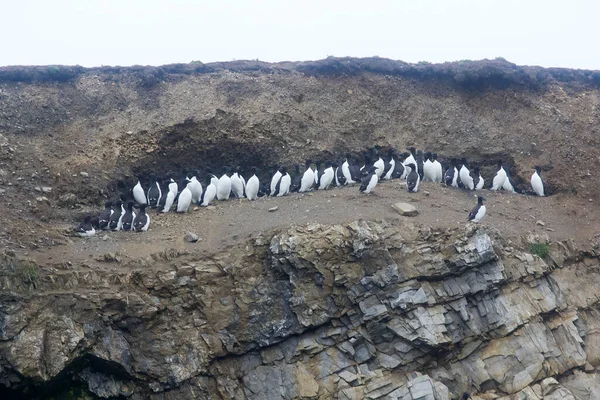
540 222
191 237
84 174
426 193
273 209
196 208
211 208
408 210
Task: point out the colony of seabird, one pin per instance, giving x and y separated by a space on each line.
128 213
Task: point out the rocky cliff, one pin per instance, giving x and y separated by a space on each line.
372 310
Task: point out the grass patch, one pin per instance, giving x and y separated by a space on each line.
539 249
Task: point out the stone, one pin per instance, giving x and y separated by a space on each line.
406 209
191 237
540 223
84 174
273 209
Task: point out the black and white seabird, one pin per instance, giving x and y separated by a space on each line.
499 178
465 175
210 192
420 163
154 192
139 194
224 185
478 180
128 217
478 212
369 182
340 179
142 220
171 195
412 179
296 180
185 199
274 180
85 228
252 185
237 184
195 187
327 176
509 185
450 177
308 178
354 168
536 182
428 168
114 223
390 164
346 170
399 170
439 173
378 162
104 218
283 186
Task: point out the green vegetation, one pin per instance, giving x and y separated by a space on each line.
539 249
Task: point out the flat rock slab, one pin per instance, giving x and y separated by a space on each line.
408 210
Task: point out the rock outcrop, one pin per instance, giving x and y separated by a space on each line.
369 310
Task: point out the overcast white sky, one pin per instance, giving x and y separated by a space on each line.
154 32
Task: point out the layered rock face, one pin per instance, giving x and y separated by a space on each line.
370 310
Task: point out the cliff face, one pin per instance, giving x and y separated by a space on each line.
314 305
367 310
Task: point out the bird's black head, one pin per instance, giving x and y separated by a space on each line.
335 164
433 156
224 169
373 169
196 173
327 164
130 205
420 152
208 179
476 170
480 199
538 169
108 204
254 169
118 204
428 156
412 166
152 176
87 218
283 170
405 154
412 150
142 207
465 396
464 161
297 168
184 173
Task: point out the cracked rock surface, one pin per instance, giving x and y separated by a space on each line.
365 310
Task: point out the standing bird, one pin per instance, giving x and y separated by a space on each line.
104 218
478 180
114 223
128 217
420 164
399 170
478 212
327 176
237 184
154 192
283 186
428 168
318 174
85 228
340 179
509 185
210 193
171 194
412 179
451 175
195 187
465 175
499 178
346 170
390 164
224 185
369 182
182 182
354 168
142 220
308 179
138 193
536 182
439 174
296 180
185 199
252 185
274 180
379 163
364 170
410 159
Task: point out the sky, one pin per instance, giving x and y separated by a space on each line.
91 33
